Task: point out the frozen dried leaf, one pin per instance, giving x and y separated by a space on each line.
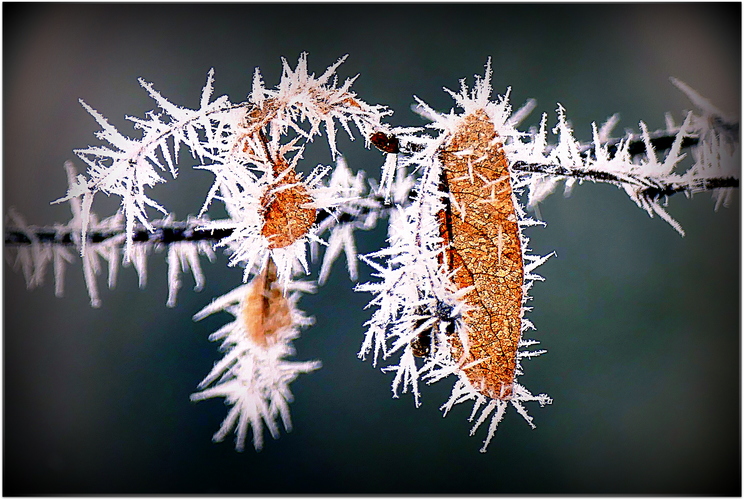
479 227
287 214
265 310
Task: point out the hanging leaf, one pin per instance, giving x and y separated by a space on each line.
265 310
483 248
288 215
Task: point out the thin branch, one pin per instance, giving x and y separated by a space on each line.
164 233
189 231
661 140
651 188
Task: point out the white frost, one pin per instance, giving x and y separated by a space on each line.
254 379
413 284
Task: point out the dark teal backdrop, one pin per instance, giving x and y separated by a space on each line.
641 325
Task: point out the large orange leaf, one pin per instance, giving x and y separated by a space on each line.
483 247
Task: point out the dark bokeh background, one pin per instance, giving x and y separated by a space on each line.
642 326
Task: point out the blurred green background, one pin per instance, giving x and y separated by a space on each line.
641 325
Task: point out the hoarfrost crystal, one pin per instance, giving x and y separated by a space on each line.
255 374
422 311
453 282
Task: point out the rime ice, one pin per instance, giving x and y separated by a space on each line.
255 374
482 249
429 262
425 304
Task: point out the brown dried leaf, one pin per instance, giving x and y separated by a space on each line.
480 227
265 310
287 216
